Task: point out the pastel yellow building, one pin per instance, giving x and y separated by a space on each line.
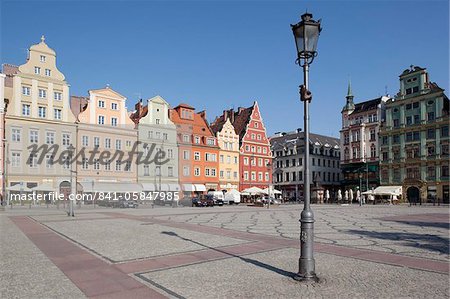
228 142
104 126
38 113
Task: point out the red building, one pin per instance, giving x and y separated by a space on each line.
255 156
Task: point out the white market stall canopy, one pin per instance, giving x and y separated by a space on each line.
119 187
45 187
19 188
385 190
253 191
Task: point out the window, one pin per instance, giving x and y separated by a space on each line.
385 156
186 155
128 166
37 70
42 58
113 106
26 110
186 170
245 161
108 165
101 120
57 113
431 133
417 119
118 165
246 175
210 141
430 116
118 144
396 139
96 164
107 142
157 121
158 135
57 96
185 138
396 123
50 137
228 159
444 149
96 142
197 140
47 72
170 171
32 160
48 161
260 176
415 105
146 170
34 136
431 171
170 153
408 120
42 93
42 112
197 156
444 171
114 121
253 176
444 131
85 140
15 159
372 135
165 136
26 91
256 125
66 139
346 138
373 151
196 171
210 157
101 104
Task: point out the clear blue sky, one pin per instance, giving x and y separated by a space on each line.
216 55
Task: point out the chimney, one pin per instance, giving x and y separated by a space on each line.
299 130
225 115
240 109
232 115
203 114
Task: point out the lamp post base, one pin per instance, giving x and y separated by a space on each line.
302 278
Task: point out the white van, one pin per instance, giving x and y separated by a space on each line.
232 197
217 197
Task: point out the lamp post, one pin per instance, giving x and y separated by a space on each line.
306 34
71 150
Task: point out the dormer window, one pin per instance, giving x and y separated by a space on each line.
42 58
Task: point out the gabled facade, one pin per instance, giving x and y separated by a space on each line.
229 153
415 139
156 132
197 150
2 137
38 114
359 141
255 157
104 126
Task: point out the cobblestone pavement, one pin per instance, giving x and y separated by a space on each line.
364 227
223 252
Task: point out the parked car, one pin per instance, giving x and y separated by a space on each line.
185 202
127 204
203 201
217 197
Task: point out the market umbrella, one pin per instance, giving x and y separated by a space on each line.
346 195
327 195
339 195
351 195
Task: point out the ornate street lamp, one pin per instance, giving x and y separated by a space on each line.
71 149
306 34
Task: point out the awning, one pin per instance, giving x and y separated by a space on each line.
254 191
174 187
105 187
45 187
148 187
200 187
386 190
188 187
19 188
162 187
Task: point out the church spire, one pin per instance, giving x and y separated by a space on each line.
349 105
